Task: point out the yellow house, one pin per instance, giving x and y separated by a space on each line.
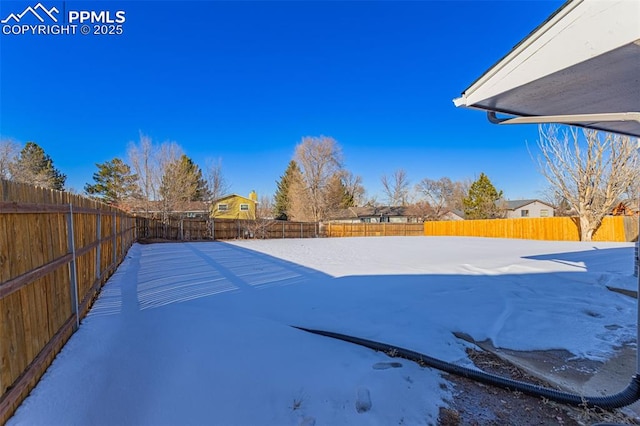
235 206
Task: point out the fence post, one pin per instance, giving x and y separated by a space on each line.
114 237
73 285
121 251
99 248
282 229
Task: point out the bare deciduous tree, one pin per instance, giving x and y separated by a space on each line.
265 207
632 193
372 201
561 207
460 191
8 155
216 183
172 181
589 169
396 188
319 158
143 161
420 211
259 226
355 189
438 194
165 178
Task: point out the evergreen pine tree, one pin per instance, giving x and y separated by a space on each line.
338 195
282 196
182 182
114 182
481 201
35 167
191 169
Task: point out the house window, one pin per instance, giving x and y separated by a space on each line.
223 207
244 207
544 213
524 213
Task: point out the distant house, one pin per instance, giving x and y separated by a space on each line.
626 208
373 214
158 209
452 215
234 206
528 208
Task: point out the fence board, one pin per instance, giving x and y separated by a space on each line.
613 228
553 228
36 309
373 229
630 228
223 229
4 249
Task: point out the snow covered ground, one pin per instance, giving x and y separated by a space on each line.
199 333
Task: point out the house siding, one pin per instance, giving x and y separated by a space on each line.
233 210
535 209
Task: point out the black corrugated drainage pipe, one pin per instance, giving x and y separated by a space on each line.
626 397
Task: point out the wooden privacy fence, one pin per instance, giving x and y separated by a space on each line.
373 229
223 229
56 251
613 228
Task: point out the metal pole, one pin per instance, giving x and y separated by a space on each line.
114 229
99 248
73 285
121 254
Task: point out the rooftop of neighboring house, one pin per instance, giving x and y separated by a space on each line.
626 207
251 197
455 212
516 204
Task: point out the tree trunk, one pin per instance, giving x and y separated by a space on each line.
586 230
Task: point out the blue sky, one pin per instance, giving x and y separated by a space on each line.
244 81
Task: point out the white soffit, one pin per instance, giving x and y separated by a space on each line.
585 59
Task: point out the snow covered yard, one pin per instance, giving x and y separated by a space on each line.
199 333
